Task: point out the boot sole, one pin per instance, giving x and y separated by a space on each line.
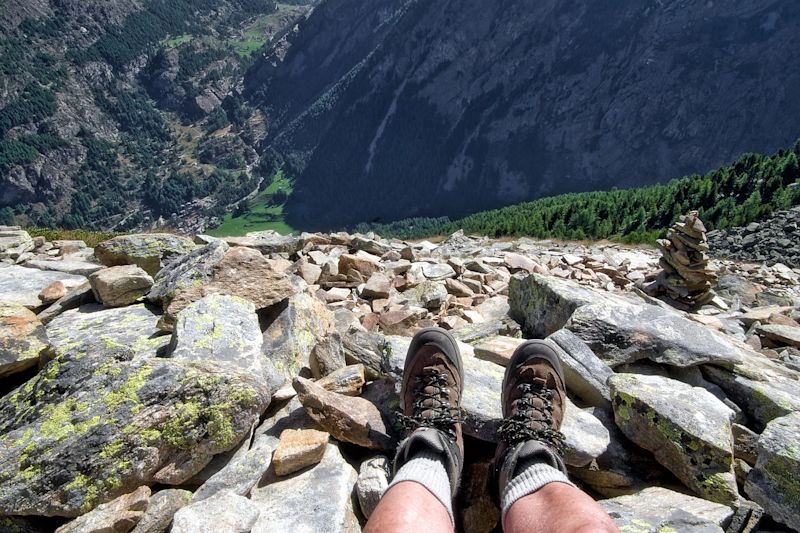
442 340
532 349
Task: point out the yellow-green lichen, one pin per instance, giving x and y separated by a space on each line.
782 473
176 431
58 420
128 392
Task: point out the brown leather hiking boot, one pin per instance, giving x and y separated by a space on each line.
533 398
430 399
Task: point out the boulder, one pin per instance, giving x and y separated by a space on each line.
318 499
190 270
52 293
89 428
224 511
120 285
161 509
346 418
296 331
14 242
372 482
298 449
428 295
267 242
121 514
67 266
348 380
783 334
773 482
22 339
497 349
20 285
75 297
437 271
150 251
223 329
364 265
657 509
241 272
115 334
584 372
688 431
378 286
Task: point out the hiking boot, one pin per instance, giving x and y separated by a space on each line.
533 398
430 399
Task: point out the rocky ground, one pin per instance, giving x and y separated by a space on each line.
774 240
159 383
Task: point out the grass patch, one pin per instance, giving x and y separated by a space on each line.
91 238
258 33
174 42
265 213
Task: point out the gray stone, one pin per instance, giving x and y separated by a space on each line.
373 480
161 509
75 297
773 482
224 511
291 337
378 286
298 449
688 430
22 339
658 510
243 472
323 493
497 349
327 356
348 380
223 329
370 246
150 251
267 242
586 438
787 335
67 266
192 269
428 295
87 429
120 514
22 285
584 372
438 271
120 285
119 333
14 241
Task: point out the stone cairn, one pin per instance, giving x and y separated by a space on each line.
686 281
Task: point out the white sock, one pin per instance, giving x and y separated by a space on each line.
528 480
427 469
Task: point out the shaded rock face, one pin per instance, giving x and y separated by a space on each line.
89 428
148 251
499 148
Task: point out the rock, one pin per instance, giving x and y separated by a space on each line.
620 333
348 380
787 335
67 266
458 288
224 511
378 286
372 482
120 285
190 270
773 482
75 297
745 443
14 241
346 418
586 438
223 329
657 509
365 266
399 321
89 428
116 334
119 515
428 295
308 271
52 293
497 349
323 492
688 431
327 356
242 473
22 339
291 337
585 374
161 509
298 449
267 242
516 262
22 286
150 251
241 272
438 271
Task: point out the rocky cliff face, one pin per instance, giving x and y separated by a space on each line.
399 108
158 383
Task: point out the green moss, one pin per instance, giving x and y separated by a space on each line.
716 488
30 472
111 449
128 392
177 430
220 428
783 474
244 396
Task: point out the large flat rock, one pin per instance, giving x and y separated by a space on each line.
22 285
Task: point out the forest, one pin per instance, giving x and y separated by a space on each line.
734 195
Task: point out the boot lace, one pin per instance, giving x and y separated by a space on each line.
521 426
431 385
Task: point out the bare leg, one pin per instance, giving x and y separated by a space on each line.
557 508
409 507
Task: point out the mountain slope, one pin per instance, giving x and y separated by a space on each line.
410 108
